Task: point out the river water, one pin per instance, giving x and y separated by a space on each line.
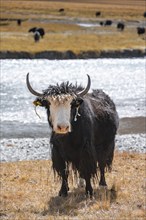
122 79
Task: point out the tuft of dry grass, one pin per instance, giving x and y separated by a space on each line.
69 35
29 190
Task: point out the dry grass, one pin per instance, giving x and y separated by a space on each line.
127 9
29 191
62 37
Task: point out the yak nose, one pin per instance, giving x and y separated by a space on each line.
62 128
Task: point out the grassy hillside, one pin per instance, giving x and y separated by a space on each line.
62 29
29 192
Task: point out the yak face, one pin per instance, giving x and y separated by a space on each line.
62 103
61 110
60 113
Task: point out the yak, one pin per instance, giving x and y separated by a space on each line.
120 26
19 21
61 10
140 30
98 13
41 31
108 22
84 127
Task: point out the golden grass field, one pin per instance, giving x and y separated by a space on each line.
68 35
29 191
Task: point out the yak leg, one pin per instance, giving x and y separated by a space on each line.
59 165
102 181
64 187
108 162
89 189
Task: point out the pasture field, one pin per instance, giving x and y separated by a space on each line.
29 192
63 31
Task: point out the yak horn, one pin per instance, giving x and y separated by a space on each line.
30 88
84 92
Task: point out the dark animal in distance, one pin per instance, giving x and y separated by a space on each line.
61 10
83 126
19 21
108 23
40 30
140 30
101 23
98 13
120 26
144 14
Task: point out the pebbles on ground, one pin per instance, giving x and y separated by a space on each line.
12 150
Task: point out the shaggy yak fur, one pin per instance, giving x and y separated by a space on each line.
90 144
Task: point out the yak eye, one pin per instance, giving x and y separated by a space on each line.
76 102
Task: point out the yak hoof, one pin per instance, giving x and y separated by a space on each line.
89 193
103 188
64 192
102 183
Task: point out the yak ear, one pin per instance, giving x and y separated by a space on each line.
40 102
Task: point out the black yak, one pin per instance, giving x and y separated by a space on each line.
120 26
98 13
61 10
140 30
40 30
19 21
108 22
84 126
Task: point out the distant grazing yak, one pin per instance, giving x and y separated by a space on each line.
140 30
19 21
61 10
83 127
108 23
98 13
120 26
101 23
40 30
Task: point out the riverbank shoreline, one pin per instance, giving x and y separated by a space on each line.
27 149
15 129
31 142
69 54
